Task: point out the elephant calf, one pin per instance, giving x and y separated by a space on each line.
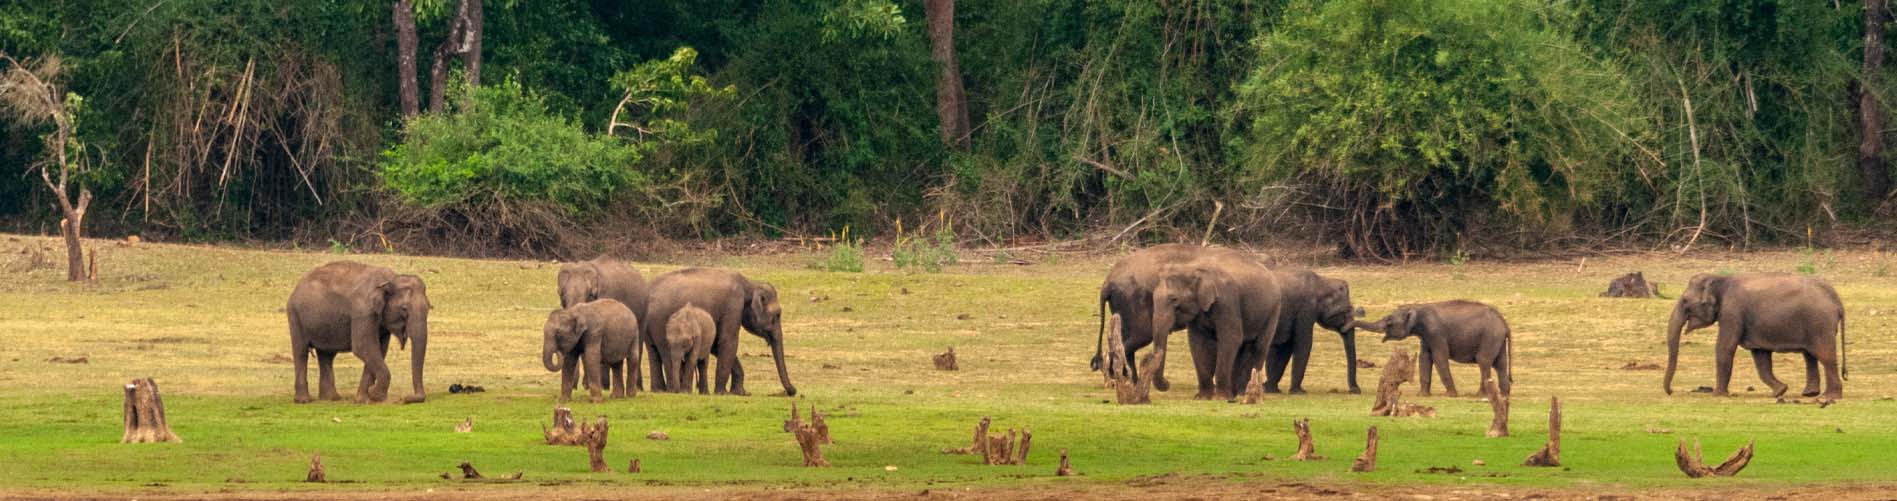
602 334
1463 331
688 337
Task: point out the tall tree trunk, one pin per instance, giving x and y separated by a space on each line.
461 41
406 47
471 46
951 103
1870 150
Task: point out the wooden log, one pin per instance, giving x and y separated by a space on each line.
1066 469
565 431
946 361
1368 461
145 420
1255 390
594 437
1550 454
317 474
1498 404
1398 370
1307 450
1694 467
1021 449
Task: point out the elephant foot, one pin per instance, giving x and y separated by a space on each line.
1297 391
1834 395
1452 394
1271 388
333 397
1810 392
1356 391
415 399
1161 384
1779 390
1203 395
303 399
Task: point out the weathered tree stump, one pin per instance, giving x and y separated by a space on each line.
1631 285
1000 450
467 426
976 446
317 474
468 472
1550 454
823 429
946 361
1307 450
1498 403
145 414
1066 469
564 431
1129 391
809 441
634 467
594 437
1398 370
1368 461
1694 467
1113 364
1021 456
795 421
1255 390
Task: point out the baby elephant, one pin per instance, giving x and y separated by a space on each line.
603 335
1463 331
688 336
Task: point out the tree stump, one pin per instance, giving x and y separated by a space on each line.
946 361
1631 285
976 446
1694 467
795 421
1021 456
594 438
1129 391
823 429
145 414
1113 364
317 475
1255 390
468 426
1066 469
1498 403
564 431
1550 454
1398 370
808 440
468 472
1368 461
1000 449
1307 451
634 467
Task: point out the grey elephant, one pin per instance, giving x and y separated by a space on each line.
733 302
1230 304
688 337
346 306
1462 331
1310 299
1764 313
1128 292
604 277
601 334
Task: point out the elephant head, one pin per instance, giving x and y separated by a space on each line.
763 316
562 332
1697 308
1184 293
579 283
405 316
1397 325
1333 306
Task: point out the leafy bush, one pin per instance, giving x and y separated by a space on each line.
845 255
501 142
930 255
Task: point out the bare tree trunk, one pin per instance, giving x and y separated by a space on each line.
1368 461
471 41
1498 404
462 40
1870 149
1550 454
145 420
406 46
951 103
1307 450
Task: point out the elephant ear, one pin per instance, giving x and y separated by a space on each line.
1405 324
1706 290
593 279
1207 288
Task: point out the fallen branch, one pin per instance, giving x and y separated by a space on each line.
1307 451
1498 404
1695 468
1368 461
1550 454
145 414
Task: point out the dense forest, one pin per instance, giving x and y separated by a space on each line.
1392 129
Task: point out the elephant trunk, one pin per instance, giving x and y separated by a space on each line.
1359 324
418 335
548 354
1349 337
783 373
1163 319
1673 332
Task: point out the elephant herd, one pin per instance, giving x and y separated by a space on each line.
1241 316
604 324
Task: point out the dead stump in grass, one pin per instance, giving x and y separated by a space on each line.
1255 389
823 429
468 472
634 467
795 421
946 361
1550 454
1129 391
1307 450
594 438
1000 449
976 446
145 414
1066 469
1113 362
1398 370
1693 466
564 431
1498 404
1368 461
809 442
1631 285
317 475
1011 448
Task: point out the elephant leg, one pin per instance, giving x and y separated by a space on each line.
1300 359
300 356
617 372
1811 375
375 371
1442 369
1834 385
658 369
326 376
1723 351
1424 364
569 375
1228 347
1204 349
699 367
1763 359
737 378
1482 381
595 373
1274 369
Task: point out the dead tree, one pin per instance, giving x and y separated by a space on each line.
809 441
594 437
1498 403
145 414
564 431
1307 450
1066 469
946 361
1693 466
976 446
1113 364
1550 454
34 99
1368 461
1130 391
317 475
1398 370
1255 390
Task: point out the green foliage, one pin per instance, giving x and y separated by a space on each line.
503 143
338 248
929 254
659 91
857 19
845 255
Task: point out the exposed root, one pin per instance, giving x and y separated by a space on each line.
1695 468
564 431
594 438
1133 392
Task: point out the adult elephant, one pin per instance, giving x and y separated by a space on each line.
1310 299
1764 313
1230 304
605 278
733 301
346 306
1128 291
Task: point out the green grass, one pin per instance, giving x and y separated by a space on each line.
205 322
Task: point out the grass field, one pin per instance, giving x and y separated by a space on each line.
205 322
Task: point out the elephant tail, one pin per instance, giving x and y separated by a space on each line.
1844 370
1101 337
1508 345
